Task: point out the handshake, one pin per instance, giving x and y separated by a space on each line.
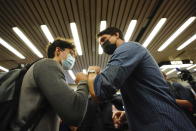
81 76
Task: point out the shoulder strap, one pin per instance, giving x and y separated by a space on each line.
34 118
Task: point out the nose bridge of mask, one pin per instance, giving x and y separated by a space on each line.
70 58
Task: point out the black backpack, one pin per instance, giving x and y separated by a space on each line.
10 85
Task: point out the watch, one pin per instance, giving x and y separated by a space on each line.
91 71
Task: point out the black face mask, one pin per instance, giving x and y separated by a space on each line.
108 47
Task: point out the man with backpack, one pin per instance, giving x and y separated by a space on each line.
45 96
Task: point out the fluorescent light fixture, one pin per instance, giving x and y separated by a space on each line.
10 48
191 67
130 30
186 43
3 69
47 33
176 62
76 38
72 74
154 32
27 42
163 69
100 50
171 71
175 66
102 27
84 71
176 34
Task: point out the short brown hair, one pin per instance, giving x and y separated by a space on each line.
61 43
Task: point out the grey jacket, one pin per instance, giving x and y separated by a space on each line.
44 83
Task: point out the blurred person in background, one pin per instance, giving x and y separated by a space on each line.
183 97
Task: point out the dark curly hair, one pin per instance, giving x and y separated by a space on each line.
61 43
111 31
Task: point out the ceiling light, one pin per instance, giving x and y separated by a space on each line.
102 27
130 30
176 62
84 71
186 43
178 73
10 48
3 69
76 38
100 50
71 74
171 71
154 32
175 66
27 42
191 67
163 69
47 33
176 34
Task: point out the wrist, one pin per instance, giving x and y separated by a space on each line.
91 76
92 71
81 82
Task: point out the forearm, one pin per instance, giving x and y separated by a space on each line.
184 103
70 105
77 107
91 79
59 95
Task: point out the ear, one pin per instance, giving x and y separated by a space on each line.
117 34
57 50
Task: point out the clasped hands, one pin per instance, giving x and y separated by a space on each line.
119 116
81 76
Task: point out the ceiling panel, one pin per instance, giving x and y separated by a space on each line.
28 15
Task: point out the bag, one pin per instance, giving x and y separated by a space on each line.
10 86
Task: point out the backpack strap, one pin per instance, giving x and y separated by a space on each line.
19 81
34 118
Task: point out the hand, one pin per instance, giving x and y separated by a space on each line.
80 76
118 118
73 128
96 68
